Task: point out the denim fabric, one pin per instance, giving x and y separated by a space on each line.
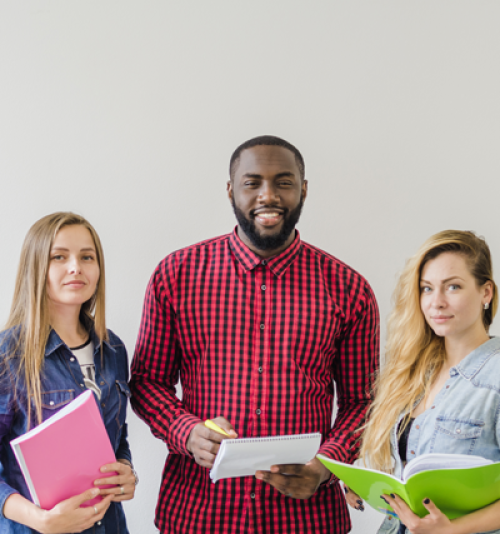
464 418
62 381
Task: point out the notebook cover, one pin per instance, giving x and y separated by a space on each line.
64 458
455 492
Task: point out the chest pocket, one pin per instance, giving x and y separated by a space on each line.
53 401
456 436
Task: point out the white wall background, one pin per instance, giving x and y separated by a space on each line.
127 112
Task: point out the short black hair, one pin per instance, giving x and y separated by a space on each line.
267 140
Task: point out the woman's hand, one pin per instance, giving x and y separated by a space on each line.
67 516
353 499
433 523
123 482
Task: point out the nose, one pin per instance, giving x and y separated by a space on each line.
438 300
74 266
268 194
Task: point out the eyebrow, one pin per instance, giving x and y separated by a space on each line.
444 281
92 249
279 175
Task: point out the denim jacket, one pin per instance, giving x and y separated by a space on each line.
464 418
62 381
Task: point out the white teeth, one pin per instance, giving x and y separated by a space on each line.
268 215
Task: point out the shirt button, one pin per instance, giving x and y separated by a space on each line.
417 427
99 523
102 382
264 262
432 407
103 404
263 287
257 411
447 387
252 495
71 359
262 326
260 369
413 452
51 403
82 386
458 431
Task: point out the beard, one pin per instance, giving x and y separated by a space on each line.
269 242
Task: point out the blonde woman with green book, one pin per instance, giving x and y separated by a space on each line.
440 389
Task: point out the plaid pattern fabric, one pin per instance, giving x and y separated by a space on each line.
260 342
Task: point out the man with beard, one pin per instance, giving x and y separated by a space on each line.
259 325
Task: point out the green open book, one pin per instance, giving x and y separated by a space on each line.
456 483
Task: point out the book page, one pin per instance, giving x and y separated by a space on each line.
243 457
427 462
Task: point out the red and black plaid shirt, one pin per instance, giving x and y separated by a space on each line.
260 342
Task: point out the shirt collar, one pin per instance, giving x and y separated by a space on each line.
54 342
277 264
475 361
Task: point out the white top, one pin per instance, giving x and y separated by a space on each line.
85 356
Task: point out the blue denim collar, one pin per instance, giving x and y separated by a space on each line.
474 362
54 342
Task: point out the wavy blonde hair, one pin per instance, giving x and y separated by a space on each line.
414 353
29 309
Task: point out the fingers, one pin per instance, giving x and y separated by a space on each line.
225 425
125 477
204 443
431 507
400 508
297 481
353 499
88 495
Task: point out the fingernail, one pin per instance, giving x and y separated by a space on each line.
393 496
346 490
361 508
384 499
360 502
427 501
95 491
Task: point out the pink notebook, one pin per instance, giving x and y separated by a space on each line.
61 457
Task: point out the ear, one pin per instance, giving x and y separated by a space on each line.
229 189
304 189
487 292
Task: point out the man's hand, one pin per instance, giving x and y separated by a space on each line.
296 480
204 443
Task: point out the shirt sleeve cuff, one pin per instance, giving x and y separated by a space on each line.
179 433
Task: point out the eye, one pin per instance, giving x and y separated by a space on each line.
88 257
453 287
57 257
425 289
286 183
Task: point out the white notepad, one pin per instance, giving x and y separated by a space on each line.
243 457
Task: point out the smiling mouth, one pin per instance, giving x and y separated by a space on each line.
268 218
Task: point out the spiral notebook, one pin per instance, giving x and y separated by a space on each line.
243 457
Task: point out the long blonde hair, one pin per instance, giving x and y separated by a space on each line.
414 354
29 309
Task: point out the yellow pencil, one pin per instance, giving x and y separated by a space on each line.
212 426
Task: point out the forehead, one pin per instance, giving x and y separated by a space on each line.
74 235
446 265
266 160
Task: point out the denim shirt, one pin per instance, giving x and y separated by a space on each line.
62 381
464 418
